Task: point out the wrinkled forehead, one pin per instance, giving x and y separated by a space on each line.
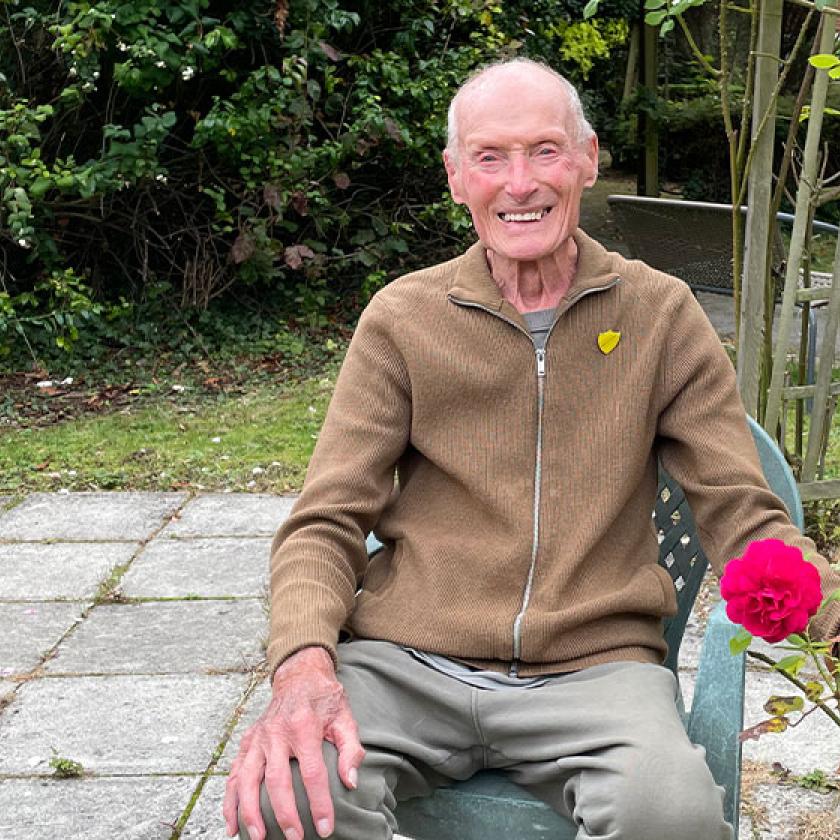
530 102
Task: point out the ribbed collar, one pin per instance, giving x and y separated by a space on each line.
473 283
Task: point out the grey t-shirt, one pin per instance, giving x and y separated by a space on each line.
539 323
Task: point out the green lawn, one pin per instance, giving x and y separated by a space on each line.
259 440
255 437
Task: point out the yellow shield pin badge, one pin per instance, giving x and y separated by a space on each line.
608 341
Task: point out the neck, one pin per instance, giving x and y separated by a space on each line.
535 284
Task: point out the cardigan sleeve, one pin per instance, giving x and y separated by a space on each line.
318 556
705 443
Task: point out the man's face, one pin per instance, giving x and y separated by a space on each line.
519 168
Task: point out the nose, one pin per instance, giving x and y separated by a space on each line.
520 182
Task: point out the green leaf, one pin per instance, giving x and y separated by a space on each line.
797 640
791 664
591 8
824 61
667 26
833 112
834 73
40 186
740 642
821 4
655 4
778 705
655 18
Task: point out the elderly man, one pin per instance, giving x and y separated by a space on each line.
497 423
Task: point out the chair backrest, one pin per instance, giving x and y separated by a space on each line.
690 239
680 551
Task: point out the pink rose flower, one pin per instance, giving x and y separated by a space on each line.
772 590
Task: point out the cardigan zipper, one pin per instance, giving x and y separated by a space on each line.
535 541
540 355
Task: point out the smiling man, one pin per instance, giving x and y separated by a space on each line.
497 423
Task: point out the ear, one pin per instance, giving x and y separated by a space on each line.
452 177
591 151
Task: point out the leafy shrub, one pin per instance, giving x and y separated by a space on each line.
207 148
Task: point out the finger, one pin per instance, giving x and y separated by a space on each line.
345 736
281 794
316 781
230 806
250 778
244 747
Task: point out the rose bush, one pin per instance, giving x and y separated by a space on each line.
772 590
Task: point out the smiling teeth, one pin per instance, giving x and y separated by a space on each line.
523 217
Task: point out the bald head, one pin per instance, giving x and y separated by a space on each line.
520 71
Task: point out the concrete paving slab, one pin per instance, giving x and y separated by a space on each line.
7 688
231 515
33 571
256 705
207 568
119 724
93 809
89 516
813 744
29 630
165 638
720 311
777 812
687 680
692 642
206 821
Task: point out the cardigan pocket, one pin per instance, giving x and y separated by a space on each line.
383 569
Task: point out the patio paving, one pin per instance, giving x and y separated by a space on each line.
151 687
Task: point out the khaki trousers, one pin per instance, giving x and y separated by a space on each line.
603 746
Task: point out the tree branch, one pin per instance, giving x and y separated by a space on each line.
798 683
704 62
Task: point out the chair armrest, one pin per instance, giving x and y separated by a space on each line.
717 710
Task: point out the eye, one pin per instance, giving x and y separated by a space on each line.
546 151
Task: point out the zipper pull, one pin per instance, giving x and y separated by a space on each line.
540 363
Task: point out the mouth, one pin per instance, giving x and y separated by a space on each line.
530 216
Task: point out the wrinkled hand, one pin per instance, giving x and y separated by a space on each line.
308 707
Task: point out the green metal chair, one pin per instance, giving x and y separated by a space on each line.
490 806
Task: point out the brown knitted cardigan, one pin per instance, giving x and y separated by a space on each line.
441 382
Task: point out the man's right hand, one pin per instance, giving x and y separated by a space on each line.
308 707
